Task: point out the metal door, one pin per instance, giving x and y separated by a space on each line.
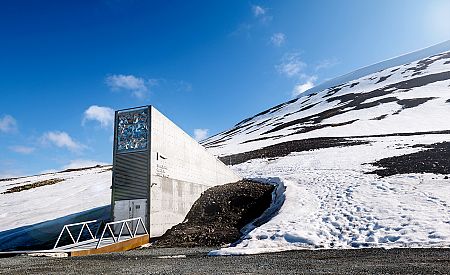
128 209
138 209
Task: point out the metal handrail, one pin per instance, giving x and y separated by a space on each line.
124 223
67 226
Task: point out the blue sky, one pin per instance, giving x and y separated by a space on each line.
65 65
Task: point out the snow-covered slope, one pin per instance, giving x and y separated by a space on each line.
397 61
324 144
34 209
414 97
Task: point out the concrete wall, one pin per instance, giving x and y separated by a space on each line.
181 169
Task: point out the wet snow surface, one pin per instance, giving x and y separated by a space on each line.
394 122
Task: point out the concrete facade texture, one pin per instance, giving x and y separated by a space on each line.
180 169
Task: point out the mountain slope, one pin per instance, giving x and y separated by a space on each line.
365 162
396 61
404 99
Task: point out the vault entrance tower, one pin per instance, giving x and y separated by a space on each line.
159 171
131 165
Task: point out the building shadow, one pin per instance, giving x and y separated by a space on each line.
43 235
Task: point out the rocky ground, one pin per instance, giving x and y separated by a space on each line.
285 148
434 159
217 217
32 185
196 261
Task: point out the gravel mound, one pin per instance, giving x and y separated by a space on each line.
217 217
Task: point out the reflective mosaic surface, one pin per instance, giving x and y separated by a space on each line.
132 130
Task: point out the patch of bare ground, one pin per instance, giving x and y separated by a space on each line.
285 148
32 185
83 168
64 171
217 217
435 159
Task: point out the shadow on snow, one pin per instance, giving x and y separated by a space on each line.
43 235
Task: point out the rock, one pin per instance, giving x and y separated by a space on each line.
435 159
217 217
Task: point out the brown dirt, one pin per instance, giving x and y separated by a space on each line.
32 185
217 217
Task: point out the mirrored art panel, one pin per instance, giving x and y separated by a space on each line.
132 130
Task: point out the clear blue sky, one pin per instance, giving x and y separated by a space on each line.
204 64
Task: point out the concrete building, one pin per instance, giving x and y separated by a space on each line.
159 171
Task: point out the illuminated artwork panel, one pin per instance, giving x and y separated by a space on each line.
132 130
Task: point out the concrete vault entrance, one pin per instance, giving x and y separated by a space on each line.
159 171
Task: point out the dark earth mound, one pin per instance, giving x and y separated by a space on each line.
285 148
217 217
434 160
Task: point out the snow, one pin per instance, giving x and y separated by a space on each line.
390 63
429 116
37 215
331 203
